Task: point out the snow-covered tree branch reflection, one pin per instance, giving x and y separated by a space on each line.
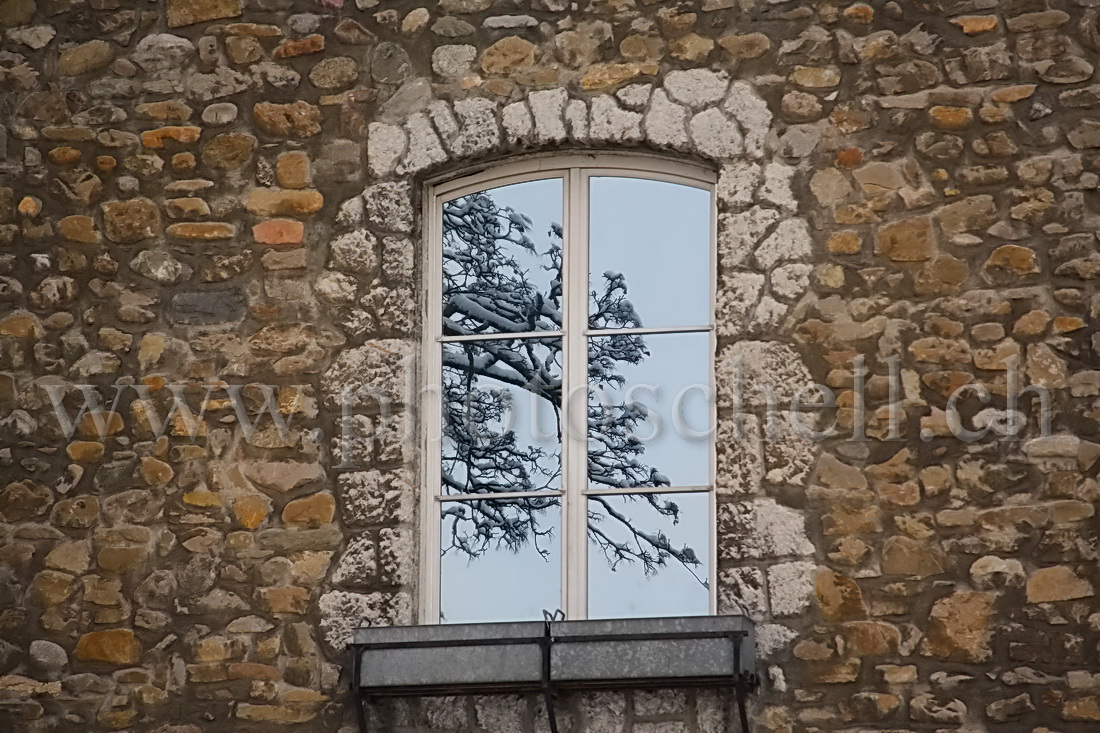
498 282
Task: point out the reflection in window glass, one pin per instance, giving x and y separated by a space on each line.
649 254
648 555
502 260
648 414
501 415
501 559
507 467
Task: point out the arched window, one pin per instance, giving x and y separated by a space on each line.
569 458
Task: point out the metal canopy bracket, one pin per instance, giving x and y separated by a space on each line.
548 656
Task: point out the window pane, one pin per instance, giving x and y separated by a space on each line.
649 411
501 416
502 260
649 254
648 555
500 560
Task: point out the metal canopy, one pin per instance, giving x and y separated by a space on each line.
553 655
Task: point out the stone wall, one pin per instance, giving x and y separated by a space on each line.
218 194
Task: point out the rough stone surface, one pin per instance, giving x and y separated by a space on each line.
202 194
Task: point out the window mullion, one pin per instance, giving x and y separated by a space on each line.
575 423
432 416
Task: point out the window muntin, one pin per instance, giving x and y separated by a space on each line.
579 514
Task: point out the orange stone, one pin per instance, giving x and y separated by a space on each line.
285 599
860 13
292 169
117 646
250 511
105 163
845 243
310 511
64 156
838 597
279 231
30 206
154 139
951 118
292 47
21 325
203 230
155 471
1013 258
283 202
605 76
1008 95
1066 324
871 638
508 55
907 240
202 498
253 671
99 424
84 451
849 157
170 111
79 229
183 163
972 25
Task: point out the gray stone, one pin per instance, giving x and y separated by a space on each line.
451 27
499 22
453 60
716 136
576 118
413 96
222 82
752 113
611 123
761 529
697 88
219 113
353 34
303 24
791 587
739 233
48 658
389 206
202 308
386 144
160 266
1065 71
478 130
162 52
357 567
34 36
666 122
277 75
790 241
1086 134
547 108
425 148
10 656
635 96
390 63
518 126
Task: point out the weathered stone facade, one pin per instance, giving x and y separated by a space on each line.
211 192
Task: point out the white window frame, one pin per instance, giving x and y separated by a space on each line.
575 170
